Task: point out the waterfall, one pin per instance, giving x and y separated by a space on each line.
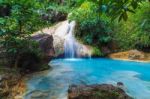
70 44
64 41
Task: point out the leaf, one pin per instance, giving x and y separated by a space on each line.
2 21
130 10
134 4
1 1
120 18
125 16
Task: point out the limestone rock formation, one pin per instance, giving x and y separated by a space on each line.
55 46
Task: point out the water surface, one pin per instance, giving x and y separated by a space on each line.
54 83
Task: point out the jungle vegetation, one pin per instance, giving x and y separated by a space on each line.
126 23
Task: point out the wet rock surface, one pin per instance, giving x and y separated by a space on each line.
97 91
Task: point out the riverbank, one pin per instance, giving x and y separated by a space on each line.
131 55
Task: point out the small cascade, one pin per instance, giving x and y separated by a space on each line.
70 44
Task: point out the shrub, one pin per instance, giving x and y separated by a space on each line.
135 32
143 27
91 29
96 52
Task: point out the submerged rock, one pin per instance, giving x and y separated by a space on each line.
37 94
97 91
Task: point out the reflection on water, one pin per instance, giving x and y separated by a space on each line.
54 84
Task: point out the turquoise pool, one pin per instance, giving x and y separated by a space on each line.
54 83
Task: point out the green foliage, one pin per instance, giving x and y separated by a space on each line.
120 8
94 25
115 9
84 12
94 32
135 31
24 19
91 29
65 6
96 52
143 25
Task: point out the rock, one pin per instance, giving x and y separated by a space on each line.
18 97
105 50
11 85
84 51
131 55
54 16
136 55
46 44
58 45
28 62
51 39
58 16
37 94
97 91
119 84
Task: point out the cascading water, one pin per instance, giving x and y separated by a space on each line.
70 44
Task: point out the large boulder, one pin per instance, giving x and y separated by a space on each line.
45 44
51 39
97 91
